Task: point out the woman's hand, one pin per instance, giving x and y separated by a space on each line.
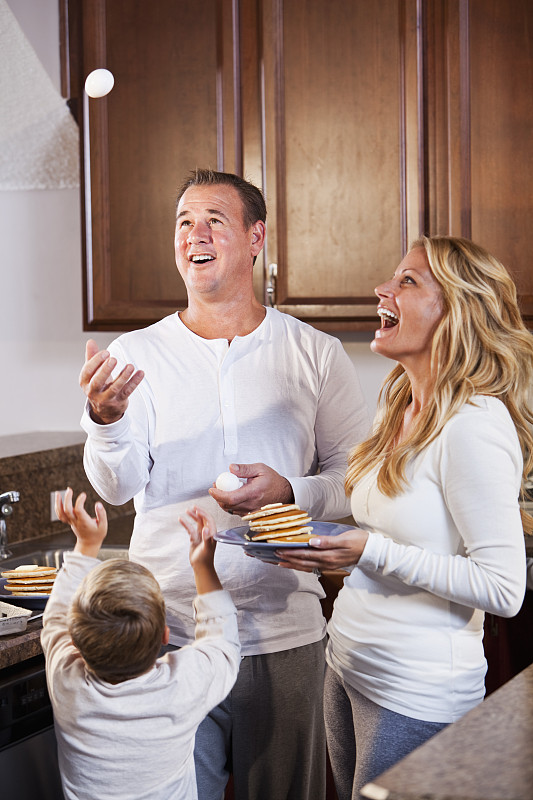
326 553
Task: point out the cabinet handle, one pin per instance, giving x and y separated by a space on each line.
272 274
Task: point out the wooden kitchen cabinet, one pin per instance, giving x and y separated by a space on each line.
508 645
364 123
171 108
478 117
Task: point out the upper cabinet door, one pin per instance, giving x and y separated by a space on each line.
341 93
173 107
478 128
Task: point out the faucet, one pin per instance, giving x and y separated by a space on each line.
6 508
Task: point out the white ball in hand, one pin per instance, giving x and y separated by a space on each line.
227 482
99 82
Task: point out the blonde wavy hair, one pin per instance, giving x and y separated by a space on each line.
117 620
480 346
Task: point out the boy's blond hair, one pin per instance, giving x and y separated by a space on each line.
117 620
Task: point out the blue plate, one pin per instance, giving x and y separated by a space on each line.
34 601
266 551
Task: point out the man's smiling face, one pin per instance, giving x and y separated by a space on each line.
214 251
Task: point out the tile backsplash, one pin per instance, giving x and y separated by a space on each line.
36 464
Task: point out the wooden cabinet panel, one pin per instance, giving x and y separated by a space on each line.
501 114
478 128
508 645
173 107
341 170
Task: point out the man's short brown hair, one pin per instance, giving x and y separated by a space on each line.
253 202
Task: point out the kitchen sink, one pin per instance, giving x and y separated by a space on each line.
53 557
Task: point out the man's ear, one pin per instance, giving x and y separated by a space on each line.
258 236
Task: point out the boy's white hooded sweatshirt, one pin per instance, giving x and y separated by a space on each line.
134 740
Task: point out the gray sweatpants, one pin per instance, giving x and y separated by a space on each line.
269 731
365 739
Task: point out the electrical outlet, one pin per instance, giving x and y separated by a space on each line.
53 515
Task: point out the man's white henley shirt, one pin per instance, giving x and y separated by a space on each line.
285 395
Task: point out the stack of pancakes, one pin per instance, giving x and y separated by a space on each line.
29 580
279 522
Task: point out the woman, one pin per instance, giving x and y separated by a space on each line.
435 494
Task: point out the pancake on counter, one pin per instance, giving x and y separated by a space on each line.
279 522
29 580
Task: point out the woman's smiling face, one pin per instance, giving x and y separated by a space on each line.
410 306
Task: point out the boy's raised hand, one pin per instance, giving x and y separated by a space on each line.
90 533
201 528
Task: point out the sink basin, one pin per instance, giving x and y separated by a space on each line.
53 557
46 557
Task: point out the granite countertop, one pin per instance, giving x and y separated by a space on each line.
486 755
17 647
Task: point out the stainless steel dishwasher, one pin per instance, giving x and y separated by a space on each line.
28 755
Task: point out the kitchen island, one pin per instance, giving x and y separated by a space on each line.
486 755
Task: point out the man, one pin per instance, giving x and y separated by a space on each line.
229 382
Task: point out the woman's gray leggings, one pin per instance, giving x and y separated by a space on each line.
365 739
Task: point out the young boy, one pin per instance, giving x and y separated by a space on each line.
125 719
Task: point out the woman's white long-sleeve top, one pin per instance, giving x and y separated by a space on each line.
407 627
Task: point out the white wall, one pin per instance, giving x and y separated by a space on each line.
41 337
